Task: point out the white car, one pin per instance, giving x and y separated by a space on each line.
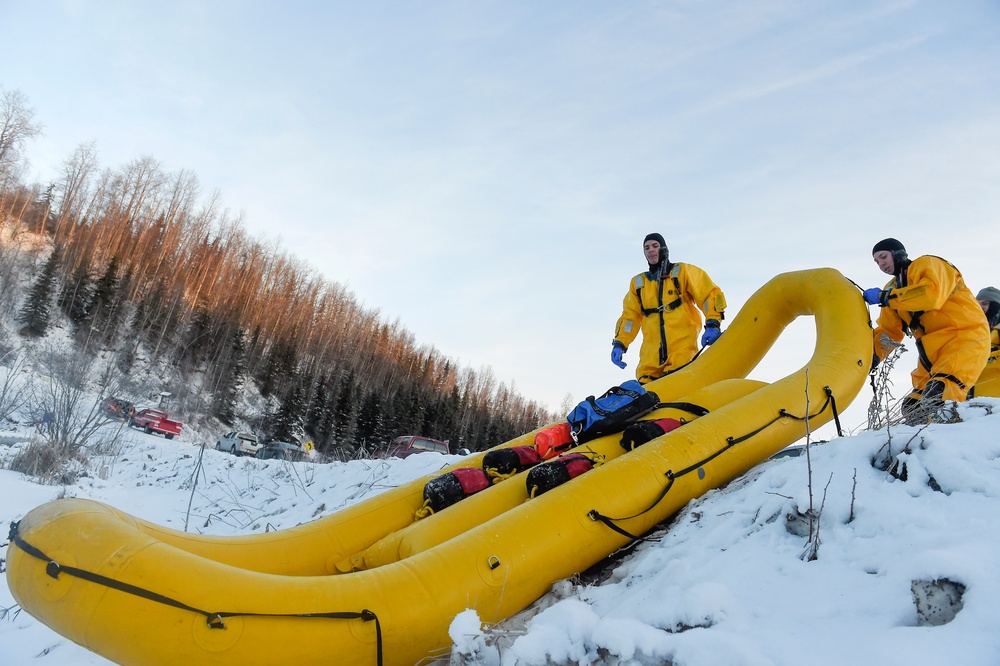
238 443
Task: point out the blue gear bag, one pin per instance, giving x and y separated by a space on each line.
612 412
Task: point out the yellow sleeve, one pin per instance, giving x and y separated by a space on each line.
889 324
703 292
628 324
931 282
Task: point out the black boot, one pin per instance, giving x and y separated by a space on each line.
924 410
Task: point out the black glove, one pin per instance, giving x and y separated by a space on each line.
875 361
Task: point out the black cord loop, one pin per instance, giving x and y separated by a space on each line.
214 620
830 401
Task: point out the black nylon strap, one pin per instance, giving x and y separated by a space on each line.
688 407
214 619
663 325
782 413
836 412
661 308
644 379
596 515
669 307
614 390
679 367
914 322
925 360
830 401
902 280
949 377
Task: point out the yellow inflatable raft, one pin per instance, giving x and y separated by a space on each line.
371 584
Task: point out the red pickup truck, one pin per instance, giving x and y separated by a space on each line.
153 420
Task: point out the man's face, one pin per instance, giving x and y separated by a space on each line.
651 249
884 260
984 304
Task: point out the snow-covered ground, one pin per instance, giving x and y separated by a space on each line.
730 582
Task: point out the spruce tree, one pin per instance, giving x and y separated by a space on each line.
128 351
232 375
280 364
442 417
317 410
75 296
36 311
343 412
105 310
408 410
196 340
429 426
370 420
285 425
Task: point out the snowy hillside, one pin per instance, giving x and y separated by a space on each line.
730 581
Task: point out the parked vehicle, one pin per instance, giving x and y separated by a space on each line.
282 451
153 420
408 445
117 408
788 452
239 443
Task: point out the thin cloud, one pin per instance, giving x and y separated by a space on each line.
808 77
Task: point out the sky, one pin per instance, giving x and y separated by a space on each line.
486 172
728 583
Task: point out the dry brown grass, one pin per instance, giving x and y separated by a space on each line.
49 463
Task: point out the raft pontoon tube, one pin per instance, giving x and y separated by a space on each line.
372 584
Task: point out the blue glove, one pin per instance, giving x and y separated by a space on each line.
876 296
616 355
875 361
712 332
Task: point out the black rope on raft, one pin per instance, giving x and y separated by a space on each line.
214 620
596 515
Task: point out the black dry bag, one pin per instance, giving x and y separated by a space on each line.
547 476
501 463
445 490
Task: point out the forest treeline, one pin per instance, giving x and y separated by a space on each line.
147 268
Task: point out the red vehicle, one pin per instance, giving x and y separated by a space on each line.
153 420
407 445
116 408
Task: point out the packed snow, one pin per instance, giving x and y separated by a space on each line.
733 579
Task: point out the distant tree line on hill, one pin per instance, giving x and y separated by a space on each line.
145 268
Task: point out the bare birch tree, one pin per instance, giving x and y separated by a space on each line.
17 125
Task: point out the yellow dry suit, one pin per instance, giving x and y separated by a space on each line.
929 300
988 384
665 306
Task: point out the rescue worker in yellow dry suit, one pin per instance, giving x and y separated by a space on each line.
988 383
927 298
664 301
989 301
